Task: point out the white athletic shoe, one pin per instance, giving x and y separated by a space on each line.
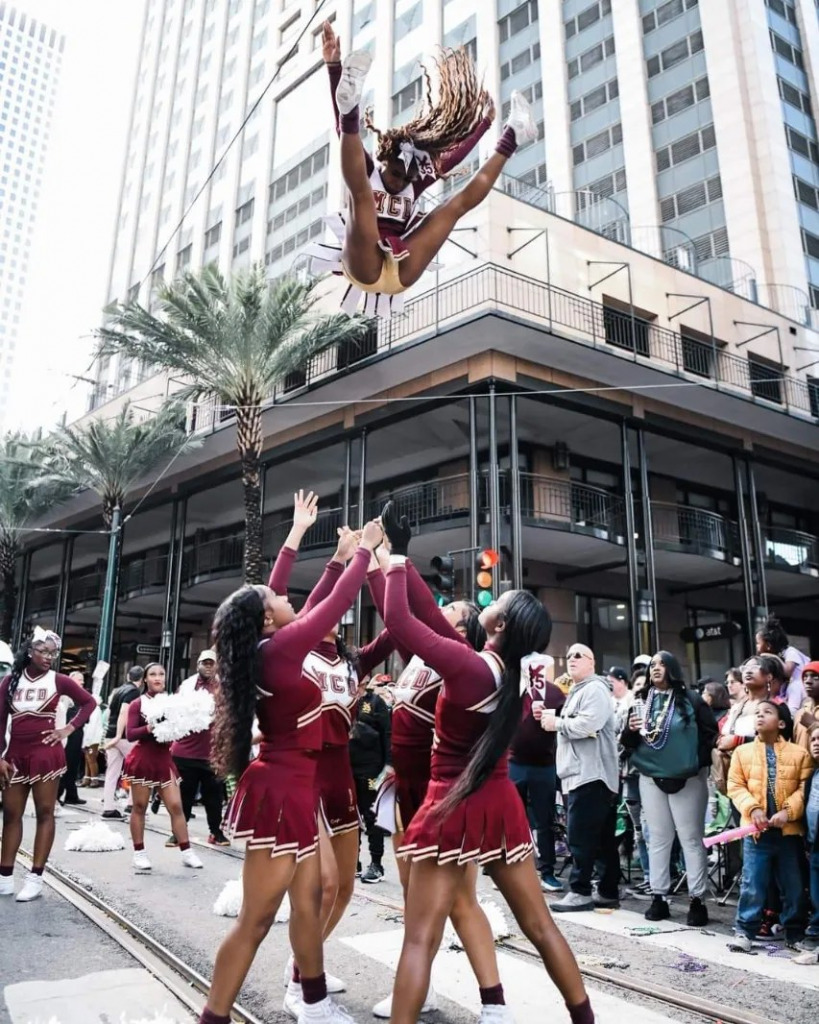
325 1012
334 984
140 861
496 1015
520 119
190 860
6 885
32 888
384 1008
293 1000
353 72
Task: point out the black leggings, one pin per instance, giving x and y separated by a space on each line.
365 792
196 774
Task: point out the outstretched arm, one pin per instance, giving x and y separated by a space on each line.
347 544
454 156
375 652
424 607
467 676
305 510
377 584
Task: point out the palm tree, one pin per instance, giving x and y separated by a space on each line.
233 341
23 498
111 456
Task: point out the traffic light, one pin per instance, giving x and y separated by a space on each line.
485 581
443 582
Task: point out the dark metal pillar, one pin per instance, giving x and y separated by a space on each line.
756 538
22 600
347 487
514 490
62 593
170 573
745 551
474 489
494 481
631 544
648 541
362 479
181 525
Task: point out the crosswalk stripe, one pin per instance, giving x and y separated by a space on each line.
528 988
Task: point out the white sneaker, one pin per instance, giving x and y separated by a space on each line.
32 888
520 119
334 984
140 861
496 1015
384 1008
353 72
6 885
293 1000
325 1012
190 860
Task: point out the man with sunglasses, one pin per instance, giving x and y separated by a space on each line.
588 770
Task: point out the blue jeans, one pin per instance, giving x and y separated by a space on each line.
537 785
771 858
813 924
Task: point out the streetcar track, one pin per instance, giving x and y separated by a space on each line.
184 982
707 1010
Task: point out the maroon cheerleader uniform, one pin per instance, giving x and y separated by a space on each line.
490 824
32 712
338 682
274 806
149 763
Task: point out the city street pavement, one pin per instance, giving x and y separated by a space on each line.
174 904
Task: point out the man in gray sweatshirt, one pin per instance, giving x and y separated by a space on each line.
587 767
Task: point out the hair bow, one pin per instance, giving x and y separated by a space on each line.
407 152
40 635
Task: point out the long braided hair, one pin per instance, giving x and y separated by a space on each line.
237 630
21 662
444 123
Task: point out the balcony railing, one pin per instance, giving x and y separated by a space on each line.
791 549
694 530
212 557
489 288
566 505
42 598
140 574
86 588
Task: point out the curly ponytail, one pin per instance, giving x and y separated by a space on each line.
528 629
21 662
237 630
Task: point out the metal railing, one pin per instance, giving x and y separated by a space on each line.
693 529
489 288
42 598
86 588
143 574
790 549
564 504
222 554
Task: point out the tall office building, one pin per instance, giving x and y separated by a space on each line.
684 129
30 62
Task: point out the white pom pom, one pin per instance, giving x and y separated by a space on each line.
181 714
283 913
95 838
229 901
497 922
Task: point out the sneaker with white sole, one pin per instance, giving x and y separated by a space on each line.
293 999
354 70
571 903
32 888
520 119
140 861
548 883
496 1015
325 1012
6 885
334 984
190 860
740 944
384 1008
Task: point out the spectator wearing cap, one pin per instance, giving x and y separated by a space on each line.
623 695
808 716
588 770
532 761
192 759
116 750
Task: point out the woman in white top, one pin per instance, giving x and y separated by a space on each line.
772 639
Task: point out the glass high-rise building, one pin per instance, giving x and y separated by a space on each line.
30 63
685 126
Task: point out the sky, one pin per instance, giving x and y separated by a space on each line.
75 223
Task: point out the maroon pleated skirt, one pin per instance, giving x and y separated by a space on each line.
35 761
274 806
150 764
335 789
488 825
411 781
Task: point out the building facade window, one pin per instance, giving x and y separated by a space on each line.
586 18
675 54
518 20
591 57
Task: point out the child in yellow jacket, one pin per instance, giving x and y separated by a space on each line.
766 783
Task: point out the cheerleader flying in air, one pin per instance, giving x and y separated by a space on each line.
386 247
34 759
